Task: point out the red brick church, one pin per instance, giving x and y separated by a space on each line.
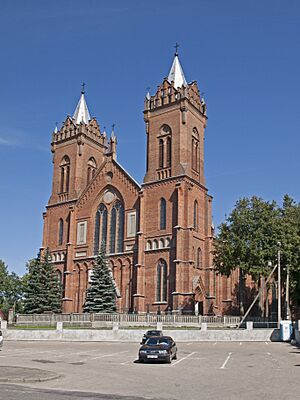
158 234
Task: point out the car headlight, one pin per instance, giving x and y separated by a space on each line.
162 351
143 352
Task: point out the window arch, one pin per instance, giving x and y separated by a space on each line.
60 231
149 245
196 215
100 228
155 245
163 214
161 243
161 153
91 169
64 175
116 228
199 258
195 150
161 281
169 152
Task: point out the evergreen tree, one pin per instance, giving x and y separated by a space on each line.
100 296
43 291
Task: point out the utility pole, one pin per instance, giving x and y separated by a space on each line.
279 285
287 293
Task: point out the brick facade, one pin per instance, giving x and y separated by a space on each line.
159 234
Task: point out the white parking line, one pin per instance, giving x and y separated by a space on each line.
183 358
226 361
109 355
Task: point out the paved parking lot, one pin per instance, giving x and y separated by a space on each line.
207 370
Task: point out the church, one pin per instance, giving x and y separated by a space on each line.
159 233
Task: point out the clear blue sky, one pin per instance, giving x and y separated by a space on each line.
245 56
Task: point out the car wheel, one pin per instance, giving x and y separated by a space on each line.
141 360
175 356
169 359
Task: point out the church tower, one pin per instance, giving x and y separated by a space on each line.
175 206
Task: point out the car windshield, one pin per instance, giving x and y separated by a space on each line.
157 341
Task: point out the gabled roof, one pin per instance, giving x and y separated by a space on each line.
81 113
176 74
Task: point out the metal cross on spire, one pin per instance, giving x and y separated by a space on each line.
176 49
82 87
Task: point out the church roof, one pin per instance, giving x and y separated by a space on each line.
81 113
176 74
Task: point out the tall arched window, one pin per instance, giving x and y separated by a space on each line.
196 215
161 281
199 258
116 228
60 231
169 152
100 228
163 214
161 153
195 151
64 175
91 170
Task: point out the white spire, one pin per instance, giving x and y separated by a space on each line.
176 74
81 113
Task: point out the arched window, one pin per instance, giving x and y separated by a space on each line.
196 215
91 170
163 214
161 243
161 153
148 245
161 281
59 276
116 228
199 258
60 231
155 244
64 175
169 152
100 228
195 151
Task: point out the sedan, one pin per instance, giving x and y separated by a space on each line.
158 348
150 333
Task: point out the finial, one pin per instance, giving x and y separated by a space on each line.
148 96
82 88
113 130
104 131
56 127
176 49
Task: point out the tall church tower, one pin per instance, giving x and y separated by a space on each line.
175 224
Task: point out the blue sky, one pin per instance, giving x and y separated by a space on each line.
244 55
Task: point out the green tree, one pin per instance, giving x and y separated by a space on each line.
11 290
249 238
43 291
100 295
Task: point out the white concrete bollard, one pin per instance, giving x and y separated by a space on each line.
3 325
115 326
249 325
203 326
59 326
159 326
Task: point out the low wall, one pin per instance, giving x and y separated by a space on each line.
134 335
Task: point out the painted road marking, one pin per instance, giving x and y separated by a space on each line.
183 358
226 361
109 355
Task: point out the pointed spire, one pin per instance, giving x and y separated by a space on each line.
176 74
113 131
148 96
81 113
56 128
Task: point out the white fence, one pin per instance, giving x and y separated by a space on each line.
125 320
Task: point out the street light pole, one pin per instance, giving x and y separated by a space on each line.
279 285
287 293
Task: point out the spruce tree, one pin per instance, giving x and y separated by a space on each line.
100 296
43 290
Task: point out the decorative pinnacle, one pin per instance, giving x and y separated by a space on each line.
148 96
113 130
82 88
176 49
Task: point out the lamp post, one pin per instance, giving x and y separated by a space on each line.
279 285
287 293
